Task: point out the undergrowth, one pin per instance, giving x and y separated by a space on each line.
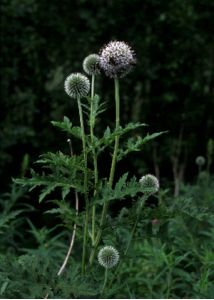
158 247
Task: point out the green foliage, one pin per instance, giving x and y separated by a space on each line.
97 109
135 144
67 213
12 215
108 136
178 264
74 174
66 126
63 173
122 189
166 249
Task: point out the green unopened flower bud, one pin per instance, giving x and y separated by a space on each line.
200 161
117 59
91 64
150 184
108 257
77 85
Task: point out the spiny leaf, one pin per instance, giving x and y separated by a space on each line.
66 213
50 182
67 126
62 162
109 137
65 192
121 182
153 136
123 188
47 190
134 145
7 218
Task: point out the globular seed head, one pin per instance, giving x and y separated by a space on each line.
117 59
149 184
91 64
200 161
108 257
77 85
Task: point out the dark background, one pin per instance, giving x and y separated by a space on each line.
171 88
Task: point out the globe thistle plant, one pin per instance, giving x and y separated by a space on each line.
77 85
200 161
76 173
91 64
108 257
150 184
91 67
117 59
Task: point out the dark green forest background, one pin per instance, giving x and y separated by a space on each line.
171 88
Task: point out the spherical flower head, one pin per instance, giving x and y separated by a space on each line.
150 184
77 85
117 59
200 161
91 64
108 257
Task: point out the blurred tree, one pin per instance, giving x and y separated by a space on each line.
171 88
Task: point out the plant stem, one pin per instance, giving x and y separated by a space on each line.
92 85
144 198
131 238
94 157
112 171
74 228
85 185
72 238
105 281
132 234
75 225
117 122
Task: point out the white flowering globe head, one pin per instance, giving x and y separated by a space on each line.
77 85
108 257
91 64
150 184
117 59
200 161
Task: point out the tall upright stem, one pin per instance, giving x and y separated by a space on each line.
74 227
130 239
112 171
85 185
117 123
94 157
92 85
62 268
105 281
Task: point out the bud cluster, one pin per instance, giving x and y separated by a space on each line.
108 257
77 85
150 184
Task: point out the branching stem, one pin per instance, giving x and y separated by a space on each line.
92 124
85 184
112 171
